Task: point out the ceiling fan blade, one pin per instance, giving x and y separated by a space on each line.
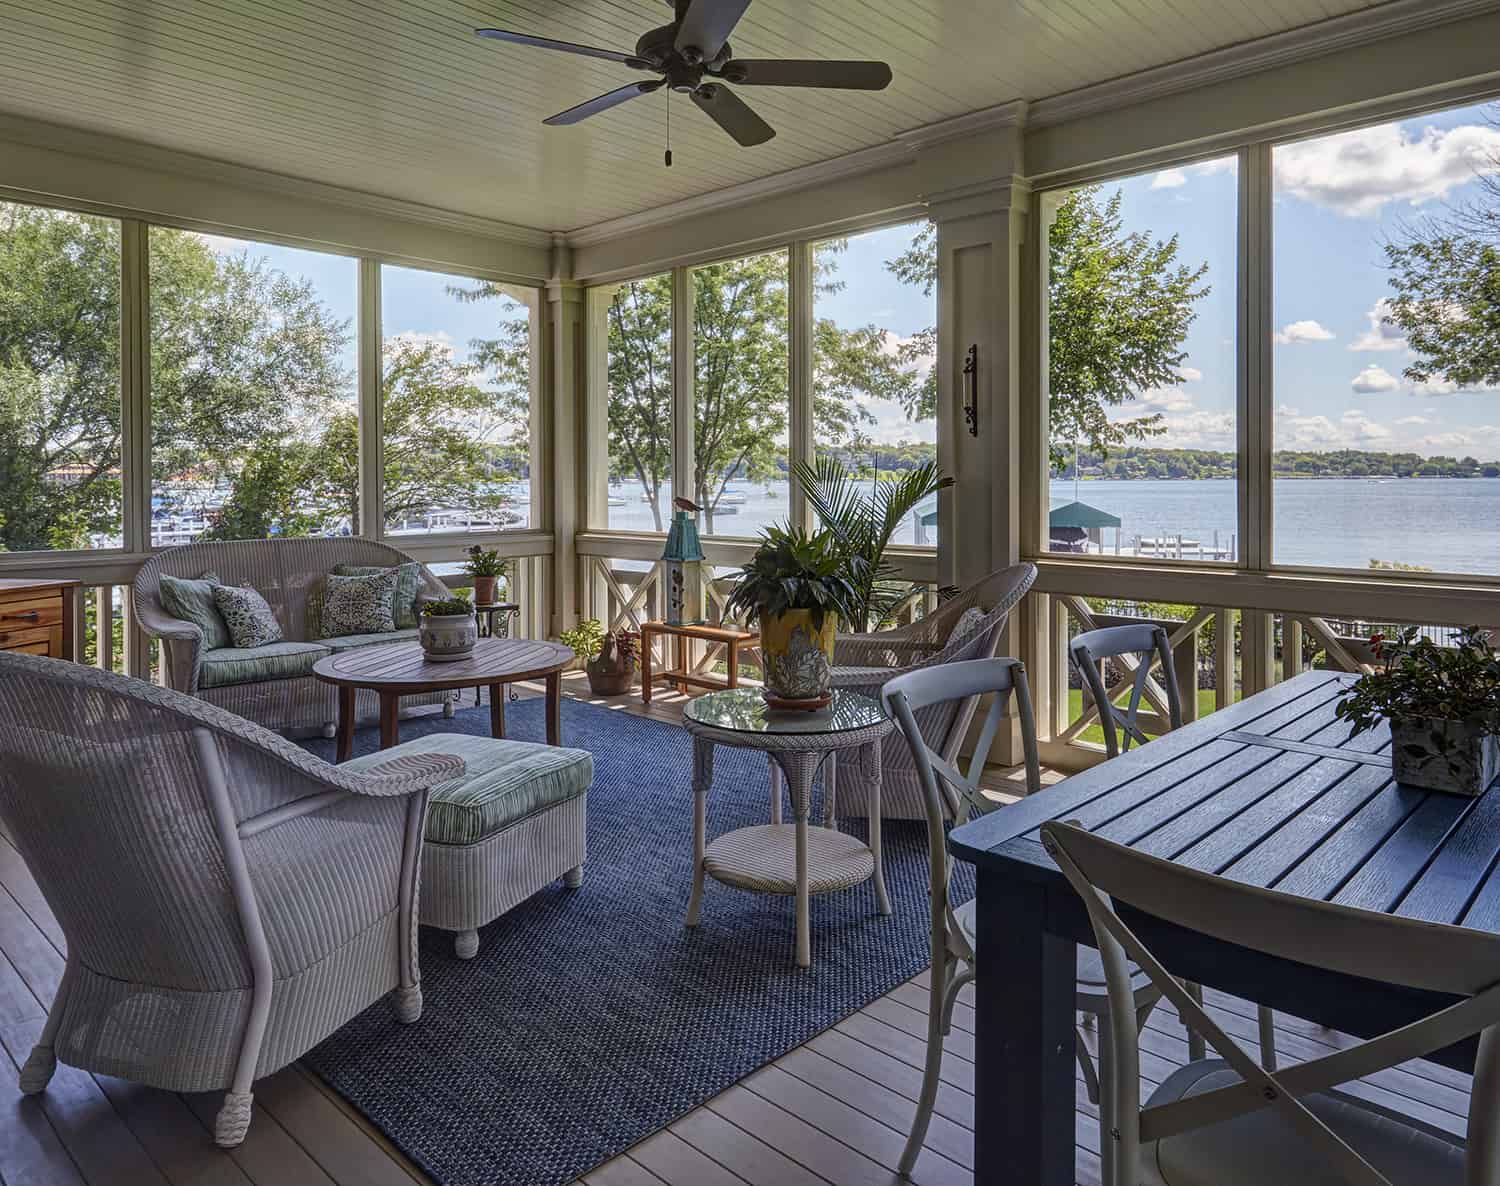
707 25
852 76
604 102
732 114
566 47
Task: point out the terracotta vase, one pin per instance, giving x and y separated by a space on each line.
798 658
484 590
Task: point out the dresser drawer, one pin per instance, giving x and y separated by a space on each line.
25 637
38 610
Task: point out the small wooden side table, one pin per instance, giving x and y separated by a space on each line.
732 639
39 617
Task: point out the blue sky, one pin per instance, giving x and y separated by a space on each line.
1338 368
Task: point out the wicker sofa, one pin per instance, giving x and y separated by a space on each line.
272 685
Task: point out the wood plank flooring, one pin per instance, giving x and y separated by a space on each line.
833 1112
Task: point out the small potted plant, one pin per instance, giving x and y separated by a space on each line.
448 630
486 567
1443 705
612 670
586 639
797 586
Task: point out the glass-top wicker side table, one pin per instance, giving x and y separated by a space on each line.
798 859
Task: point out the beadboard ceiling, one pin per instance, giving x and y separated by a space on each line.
399 98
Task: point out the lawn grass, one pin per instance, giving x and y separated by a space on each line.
1095 734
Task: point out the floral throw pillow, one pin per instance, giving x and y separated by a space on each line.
247 614
408 581
359 604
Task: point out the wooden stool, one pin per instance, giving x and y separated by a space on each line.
732 639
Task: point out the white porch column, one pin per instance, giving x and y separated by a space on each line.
562 476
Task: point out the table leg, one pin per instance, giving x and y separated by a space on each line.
870 759
703 778
554 708
830 787
497 710
390 715
733 664
799 770
645 667
775 790
1023 1036
684 651
346 723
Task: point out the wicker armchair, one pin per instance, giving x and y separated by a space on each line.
228 900
866 662
285 572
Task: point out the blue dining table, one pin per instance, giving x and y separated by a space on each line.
1272 791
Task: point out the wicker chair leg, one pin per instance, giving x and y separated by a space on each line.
329 729
449 708
36 1071
466 944
233 1120
573 878
409 1001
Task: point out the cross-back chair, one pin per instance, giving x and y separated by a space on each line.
952 794
1149 649
1231 1122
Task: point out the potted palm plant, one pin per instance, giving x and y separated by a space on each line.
797 586
1443 705
864 522
486 567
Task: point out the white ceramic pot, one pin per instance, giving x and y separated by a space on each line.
447 638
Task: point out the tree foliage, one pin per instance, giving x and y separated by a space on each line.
1119 307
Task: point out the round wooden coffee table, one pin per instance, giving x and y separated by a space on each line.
398 669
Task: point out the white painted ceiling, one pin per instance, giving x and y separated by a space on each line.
399 98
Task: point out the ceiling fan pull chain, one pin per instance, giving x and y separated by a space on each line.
669 129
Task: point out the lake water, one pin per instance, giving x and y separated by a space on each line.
1446 524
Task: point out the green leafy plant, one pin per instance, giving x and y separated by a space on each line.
483 563
446 607
794 569
1419 680
864 520
586 639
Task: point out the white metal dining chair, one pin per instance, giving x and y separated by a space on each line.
1229 1122
952 795
1147 648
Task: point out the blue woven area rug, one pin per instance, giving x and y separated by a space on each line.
592 1017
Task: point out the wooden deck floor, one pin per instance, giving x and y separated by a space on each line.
834 1111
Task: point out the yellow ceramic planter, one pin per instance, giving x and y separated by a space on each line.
798 658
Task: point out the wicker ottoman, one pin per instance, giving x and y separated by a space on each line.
514 823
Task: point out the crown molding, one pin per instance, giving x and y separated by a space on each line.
1003 115
1379 23
97 146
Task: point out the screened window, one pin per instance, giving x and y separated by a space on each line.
740 393
1142 366
60 418
254 416
455 404
874 347
1387 427
639 364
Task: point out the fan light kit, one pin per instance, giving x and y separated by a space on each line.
693 57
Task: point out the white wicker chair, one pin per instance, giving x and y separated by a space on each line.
867 662
284 571
228 900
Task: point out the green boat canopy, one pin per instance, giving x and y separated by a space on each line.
1080 514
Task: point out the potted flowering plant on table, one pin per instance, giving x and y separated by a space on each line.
1443 705
797 586
486 567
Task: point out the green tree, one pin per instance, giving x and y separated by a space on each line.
1445 279
1119 307
740 376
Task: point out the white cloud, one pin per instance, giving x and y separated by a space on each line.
1356 173
1372 379
222 244
1223 164
892 344
1302 331
1169 179
1189 374
1352 430
1434 386
1383 334
1187 426
1163 399
1409 421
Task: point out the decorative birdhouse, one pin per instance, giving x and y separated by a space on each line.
682 571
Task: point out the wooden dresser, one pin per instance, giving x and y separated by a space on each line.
38 617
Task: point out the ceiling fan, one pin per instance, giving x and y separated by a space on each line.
693 56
